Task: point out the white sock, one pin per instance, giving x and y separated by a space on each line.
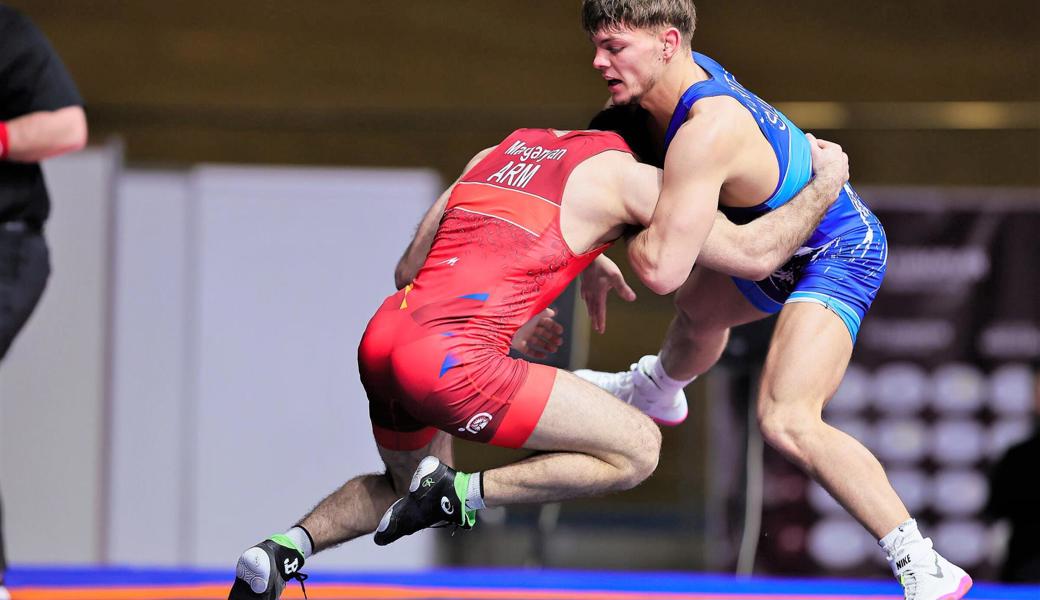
664 381
302 539
905 533
475 491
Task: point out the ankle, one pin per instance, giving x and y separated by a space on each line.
654 367
302 539
903 534
904 546
474 493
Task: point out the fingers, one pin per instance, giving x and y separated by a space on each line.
550 326
623 290
599 315
595 303
545 340
816 143
591 301
828 157
548 333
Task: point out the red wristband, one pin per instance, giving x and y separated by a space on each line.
3 140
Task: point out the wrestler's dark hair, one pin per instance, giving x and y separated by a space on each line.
612 15
632 123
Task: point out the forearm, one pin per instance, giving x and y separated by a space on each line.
41 135
757 249
407 268
660 264
730 250
777 235
415 255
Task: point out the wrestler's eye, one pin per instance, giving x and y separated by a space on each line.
615 49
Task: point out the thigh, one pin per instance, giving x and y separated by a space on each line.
711 299
24 268
807 358
844 279
478 394
580 417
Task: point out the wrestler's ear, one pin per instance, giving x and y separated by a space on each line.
671 42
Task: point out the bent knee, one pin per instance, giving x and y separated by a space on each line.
788 428
644 453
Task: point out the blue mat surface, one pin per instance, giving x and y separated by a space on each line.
517 579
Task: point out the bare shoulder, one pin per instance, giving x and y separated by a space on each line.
605 169
720 107
594 209
610 158
722 119
712 135
599 179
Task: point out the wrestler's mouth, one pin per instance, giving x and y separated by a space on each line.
613 83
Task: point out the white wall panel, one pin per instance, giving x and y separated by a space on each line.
53 381
291 265
149 349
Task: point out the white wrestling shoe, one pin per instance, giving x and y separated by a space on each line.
638 388
925 575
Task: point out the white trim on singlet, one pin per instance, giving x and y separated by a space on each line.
818 298
508 189
477 212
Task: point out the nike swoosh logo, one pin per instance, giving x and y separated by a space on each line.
650 377
938 570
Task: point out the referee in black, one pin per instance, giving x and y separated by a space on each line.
41 116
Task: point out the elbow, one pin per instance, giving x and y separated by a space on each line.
78 132
405 272
401 277
75 130
661 275
663 281
79 139
662 287
760 261
769 263
760 269
69 133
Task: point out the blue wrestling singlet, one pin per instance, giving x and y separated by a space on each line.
843 262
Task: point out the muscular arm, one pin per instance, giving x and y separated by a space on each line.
694 171
415 255
44 134
757 249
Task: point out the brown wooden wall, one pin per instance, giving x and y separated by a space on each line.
356 82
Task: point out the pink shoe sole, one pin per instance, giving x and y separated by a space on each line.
674 423
962 589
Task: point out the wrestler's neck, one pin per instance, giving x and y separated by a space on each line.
674 79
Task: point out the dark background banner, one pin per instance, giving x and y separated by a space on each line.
940 382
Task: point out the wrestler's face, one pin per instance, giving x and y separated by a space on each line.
630 61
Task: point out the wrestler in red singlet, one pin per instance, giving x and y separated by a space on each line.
435 355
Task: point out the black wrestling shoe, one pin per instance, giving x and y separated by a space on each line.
436 498
264 569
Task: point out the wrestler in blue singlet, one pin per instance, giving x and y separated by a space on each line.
843 262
